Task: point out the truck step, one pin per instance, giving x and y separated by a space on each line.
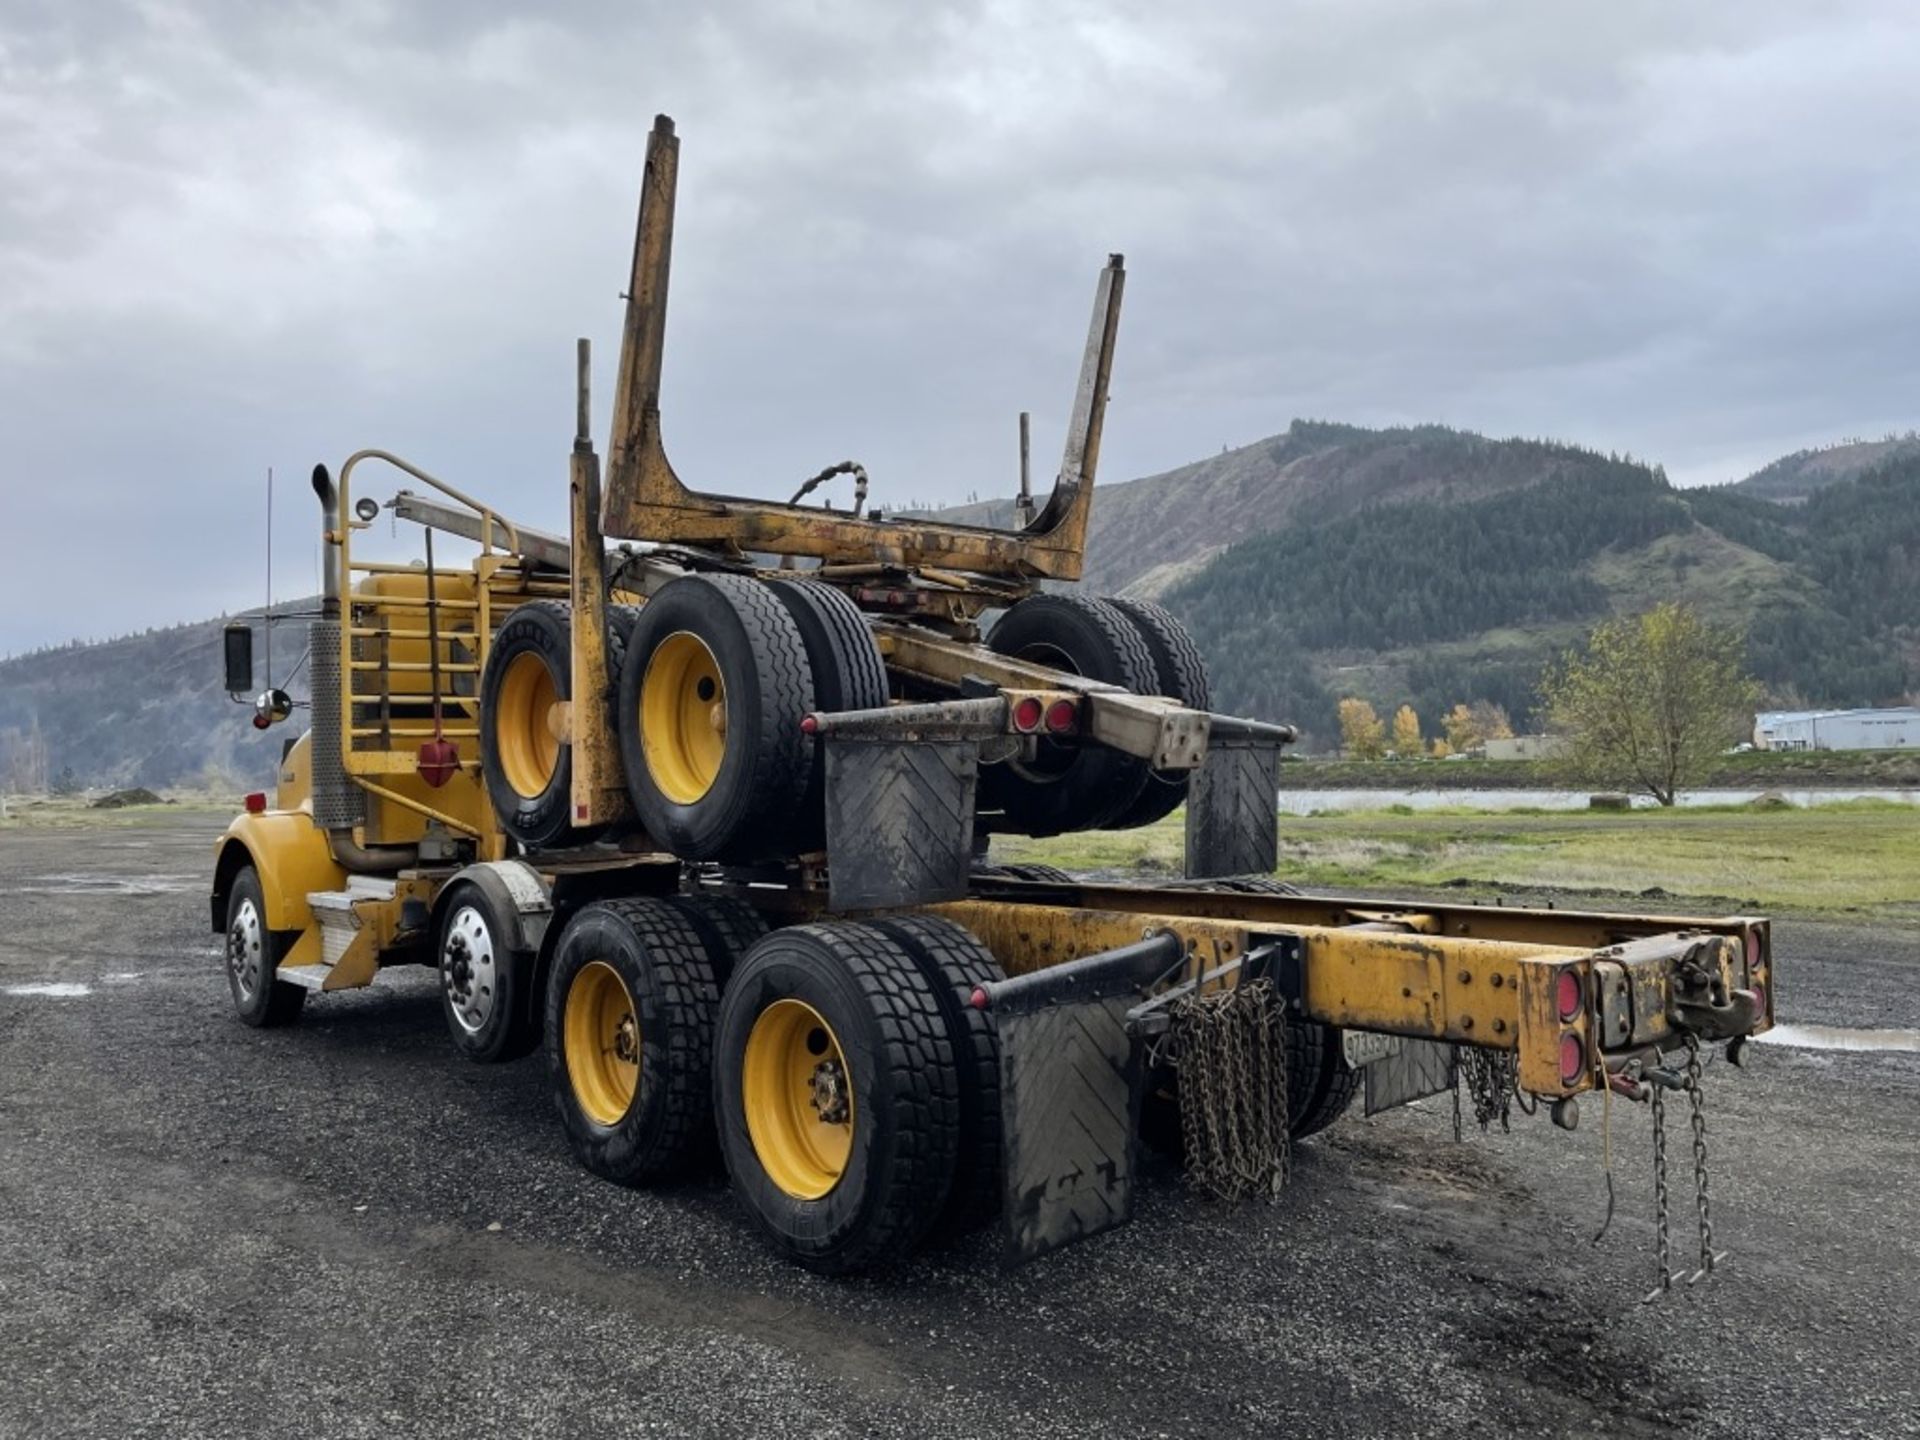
339 924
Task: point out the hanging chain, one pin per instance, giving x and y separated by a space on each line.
1697 1116
1490 1077
1663 1245
1230 1048
1457 1069
1696 1099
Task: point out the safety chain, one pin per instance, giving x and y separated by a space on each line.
1230 1049
1709 1257
1696 1099
1663 1246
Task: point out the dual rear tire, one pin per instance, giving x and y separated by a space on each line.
1063 786
720 671
852 1094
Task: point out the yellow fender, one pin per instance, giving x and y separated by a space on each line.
291 856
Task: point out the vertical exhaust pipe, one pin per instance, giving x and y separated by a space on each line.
338 804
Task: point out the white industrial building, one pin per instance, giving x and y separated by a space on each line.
1893 729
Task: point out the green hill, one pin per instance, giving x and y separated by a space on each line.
1792 478
143 709
1430 603
1148 534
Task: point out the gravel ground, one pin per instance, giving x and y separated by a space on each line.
342 1230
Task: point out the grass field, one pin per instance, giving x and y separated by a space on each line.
1749 770
1861 856
19 812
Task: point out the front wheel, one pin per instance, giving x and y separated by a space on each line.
253 958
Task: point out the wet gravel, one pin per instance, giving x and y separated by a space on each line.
343 1230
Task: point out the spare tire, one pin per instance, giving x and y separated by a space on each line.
712 692
848 674
1180 674
1069 786
528 769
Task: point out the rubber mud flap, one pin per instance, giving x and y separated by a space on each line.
899 821
1070 1087
1233 812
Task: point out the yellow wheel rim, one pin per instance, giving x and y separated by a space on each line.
601 1035
683 717
799 1099
523 725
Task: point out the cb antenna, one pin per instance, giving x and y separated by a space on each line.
267 620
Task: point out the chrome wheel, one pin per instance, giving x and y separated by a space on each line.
468 970
246 949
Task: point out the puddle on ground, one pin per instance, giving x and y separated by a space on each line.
1840 1037
108 884
51 989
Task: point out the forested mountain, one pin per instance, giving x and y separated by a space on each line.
143 709
1792 478
1420 565
1147 534
1431 603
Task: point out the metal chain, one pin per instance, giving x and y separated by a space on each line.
1696 1099
1457 1072
1491 1076
1663 1246
1230 1049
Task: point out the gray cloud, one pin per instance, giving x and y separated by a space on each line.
234 236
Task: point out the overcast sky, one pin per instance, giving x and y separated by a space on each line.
240 236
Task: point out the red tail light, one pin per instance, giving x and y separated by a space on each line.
1567 999
1026 714
257 803
1061 716
1573 1059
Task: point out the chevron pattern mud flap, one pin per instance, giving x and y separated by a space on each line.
899 821
1070 1088
1233 812
1411 1070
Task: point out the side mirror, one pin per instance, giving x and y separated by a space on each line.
270 707
238 640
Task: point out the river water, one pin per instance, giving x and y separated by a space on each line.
1305 802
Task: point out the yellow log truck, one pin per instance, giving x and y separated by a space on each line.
696 801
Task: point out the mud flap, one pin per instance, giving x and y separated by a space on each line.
1070 1083
1071 1079
1414 1070
899 821
1233 812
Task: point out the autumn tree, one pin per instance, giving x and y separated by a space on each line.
1406 733
1649 701
1463 733
1441 749
1362 736
1491 722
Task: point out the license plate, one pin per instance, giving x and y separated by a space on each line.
1363 1047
